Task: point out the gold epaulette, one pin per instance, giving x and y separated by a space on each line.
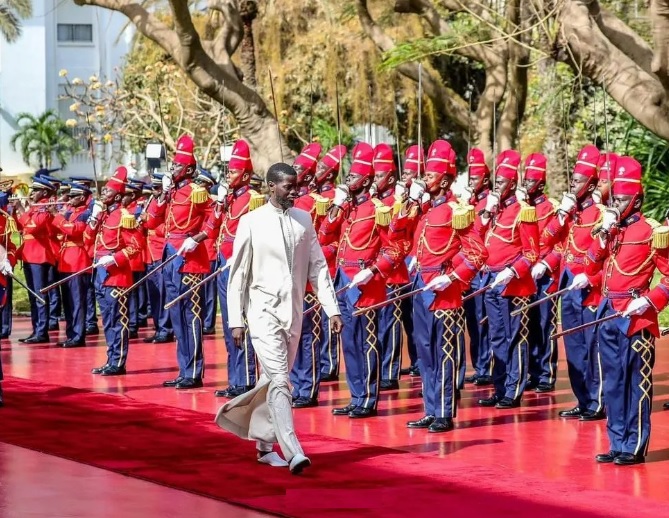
198 194
660 236
322 204
397 206
383 214
257 200
463 217
128 220
528 214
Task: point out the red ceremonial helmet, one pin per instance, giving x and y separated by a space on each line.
534 178
585 171
478 169
240 167
507 164
184 158
627 182
385 170
438 165
361 168
414 163
328 168
305 163
607 168
118 180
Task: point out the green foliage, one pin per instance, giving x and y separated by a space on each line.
327 134
11 14
43 136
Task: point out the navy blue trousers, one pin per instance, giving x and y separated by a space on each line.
509 339
390 337
543 324
241 361
211 300
477 329
186 316
134 301
439 335
37 277
7 309
361 349
583 361
114 310
330 346
91 307
55 297
305 376
627 364
155 286
74 306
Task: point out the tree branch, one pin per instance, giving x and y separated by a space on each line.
659 10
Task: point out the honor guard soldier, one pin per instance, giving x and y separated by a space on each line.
37 254
205 180
414 168
365 258
448 255
476 193
234 199
305 373
390 316
627 250
74 257
327 171
512 240
182 207
116 239
607 167
572 226
7 228
155 284
91 308
543 318
130 207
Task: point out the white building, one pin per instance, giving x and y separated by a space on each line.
85 41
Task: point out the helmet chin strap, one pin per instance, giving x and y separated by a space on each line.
630 209
357 187
583 194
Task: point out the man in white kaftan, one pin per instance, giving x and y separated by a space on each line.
275 252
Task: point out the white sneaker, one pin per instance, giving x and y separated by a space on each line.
298 463
273 459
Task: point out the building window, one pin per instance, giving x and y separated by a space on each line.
75 32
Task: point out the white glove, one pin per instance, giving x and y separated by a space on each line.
400 189
222 192
580 281
373 190
568 203
362 277
637 307
105 261
98 207
416 190
6 268
467 194
539 270
412 264
521 194
492 202
188 246
167 183
611 216
340 195
597 196
439 283
425 198
503 278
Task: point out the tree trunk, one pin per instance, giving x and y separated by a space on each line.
248 10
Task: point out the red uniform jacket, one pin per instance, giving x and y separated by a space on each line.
317 207
37 247
184 216
545 213
117 236
571 242
73 254
512 241
210 242
361 229
7 228
400 275
445 242
628 263
155 244
330 250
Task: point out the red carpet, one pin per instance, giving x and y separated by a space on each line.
185 450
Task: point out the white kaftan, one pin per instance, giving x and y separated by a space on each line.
275 253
